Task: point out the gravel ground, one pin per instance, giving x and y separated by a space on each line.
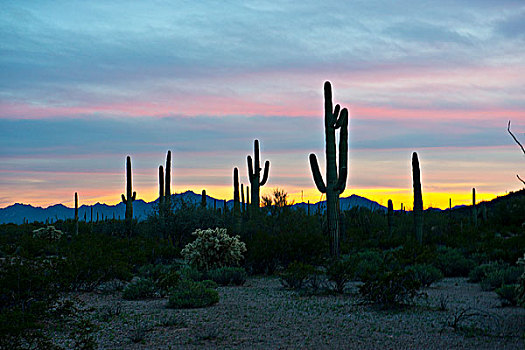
262 315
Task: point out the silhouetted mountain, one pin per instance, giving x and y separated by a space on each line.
17 213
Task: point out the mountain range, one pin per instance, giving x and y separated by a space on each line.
19 213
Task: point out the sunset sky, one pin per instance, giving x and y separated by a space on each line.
83 84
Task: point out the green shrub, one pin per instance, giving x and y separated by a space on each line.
163 276
190 294
139 288
368 264
452 262
192 274
210 284
503 275
478 273
340 272
391 288
520 290
426 274
296 275
213 248
508 294
225 276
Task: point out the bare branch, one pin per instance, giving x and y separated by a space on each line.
515 139
519 178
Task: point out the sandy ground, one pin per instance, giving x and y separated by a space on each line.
263 315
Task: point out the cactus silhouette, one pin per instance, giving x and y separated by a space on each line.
254 174
390 217
76 213
243 204
203 199
236 198
418 199
167 184
335 185
474 209
129 197
161 187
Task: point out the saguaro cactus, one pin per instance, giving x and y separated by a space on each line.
390 217
76 213
418 199
161 187
203 199
236 199
129 197
167 184
243 203
254 174
335 178
474 209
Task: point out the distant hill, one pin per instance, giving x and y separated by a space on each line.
17 213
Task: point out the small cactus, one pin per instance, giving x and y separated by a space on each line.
203 199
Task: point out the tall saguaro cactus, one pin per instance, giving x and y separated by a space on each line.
418 199
254 174
129 197
334 118
161 187
76 213
390 217
203 199
167 184
474 209
236 197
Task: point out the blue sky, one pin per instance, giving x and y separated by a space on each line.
83 84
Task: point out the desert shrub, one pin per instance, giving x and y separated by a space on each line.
164 277
391 288
191 273
508 294
498 277
296 275
139 288
426 274
368 264
478 273
50 233
340 272
213 248
520 290
190 294
210 284
28 295
267 252
452 262
225 276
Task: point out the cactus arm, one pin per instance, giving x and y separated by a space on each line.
134 196
341 181
318 178
265 175
123 198
343 151
251 174
167 182
330 113
161 183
